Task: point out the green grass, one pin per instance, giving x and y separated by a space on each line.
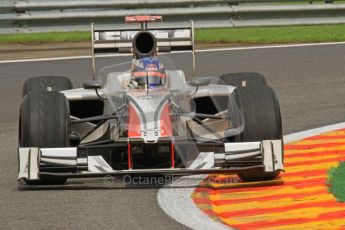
304 2
46 37
336 181
264 35
252 35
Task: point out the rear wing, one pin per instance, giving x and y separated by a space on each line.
119 41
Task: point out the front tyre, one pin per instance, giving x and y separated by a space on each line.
46 83
249 79
260 108
45 123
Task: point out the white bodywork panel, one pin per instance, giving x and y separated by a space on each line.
55 156
273 152
205 160
28 163
118 82
80 94
120 40
97 164
213 90
218 125
81 128
99 132
242 146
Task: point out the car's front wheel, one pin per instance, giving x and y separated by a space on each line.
243 79
46 83
262 120
44 122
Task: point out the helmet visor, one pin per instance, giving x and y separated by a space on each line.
150 78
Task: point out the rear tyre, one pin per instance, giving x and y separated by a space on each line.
245 78
44 122
46 83
261 111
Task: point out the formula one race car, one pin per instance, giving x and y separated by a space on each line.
146 117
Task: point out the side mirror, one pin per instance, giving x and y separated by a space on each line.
92 85
203 81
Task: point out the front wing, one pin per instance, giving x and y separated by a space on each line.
73 163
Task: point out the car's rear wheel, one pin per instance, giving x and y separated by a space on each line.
44 122
243 79
260 108
46 83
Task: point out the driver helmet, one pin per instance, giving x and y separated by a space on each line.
150 72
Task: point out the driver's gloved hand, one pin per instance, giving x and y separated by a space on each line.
132 85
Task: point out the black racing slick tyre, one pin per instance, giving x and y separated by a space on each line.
261 111
243 79
44 122
46 83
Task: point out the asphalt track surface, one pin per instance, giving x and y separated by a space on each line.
308 80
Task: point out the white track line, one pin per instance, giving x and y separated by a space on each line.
312 132
198 51
175 198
